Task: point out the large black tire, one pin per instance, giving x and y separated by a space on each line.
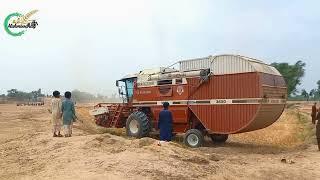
219 138
138 125
193 138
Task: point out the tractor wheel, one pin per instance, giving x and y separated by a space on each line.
138 125
193 138
219 138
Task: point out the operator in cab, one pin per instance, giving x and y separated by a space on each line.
165 123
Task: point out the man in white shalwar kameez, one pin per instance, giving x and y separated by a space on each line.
56 114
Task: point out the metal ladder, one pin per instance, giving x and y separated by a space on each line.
116 117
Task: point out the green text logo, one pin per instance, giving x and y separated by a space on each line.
16 24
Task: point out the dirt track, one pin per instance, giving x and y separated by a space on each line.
27 151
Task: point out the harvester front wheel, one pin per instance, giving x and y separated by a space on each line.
193 138
219 138
138 125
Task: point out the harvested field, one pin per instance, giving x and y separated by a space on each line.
288 131
28 151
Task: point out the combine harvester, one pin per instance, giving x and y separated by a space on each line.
214 96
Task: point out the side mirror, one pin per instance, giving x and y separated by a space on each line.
117 83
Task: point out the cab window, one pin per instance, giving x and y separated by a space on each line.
129 85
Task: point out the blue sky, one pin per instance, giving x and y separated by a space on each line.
88 45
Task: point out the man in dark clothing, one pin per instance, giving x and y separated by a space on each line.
318 128
314 113
165 123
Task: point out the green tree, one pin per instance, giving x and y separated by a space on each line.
292 74
12 93
305 94
36 94
82 96
20 95
317 95
312 93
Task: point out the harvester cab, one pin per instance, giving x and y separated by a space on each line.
125 88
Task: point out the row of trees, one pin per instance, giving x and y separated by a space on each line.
87 97
17 95
314 94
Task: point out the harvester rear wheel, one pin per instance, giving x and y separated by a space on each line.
193 138
138 125
219 138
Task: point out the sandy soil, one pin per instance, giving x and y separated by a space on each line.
284 150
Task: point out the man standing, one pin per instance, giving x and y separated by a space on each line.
68 114
314 113
318 128
56 114
165 123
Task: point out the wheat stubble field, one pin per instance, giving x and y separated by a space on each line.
28 151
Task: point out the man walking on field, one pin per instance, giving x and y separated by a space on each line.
68 113
56 114
316 116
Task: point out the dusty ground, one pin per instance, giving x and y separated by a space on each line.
284 150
